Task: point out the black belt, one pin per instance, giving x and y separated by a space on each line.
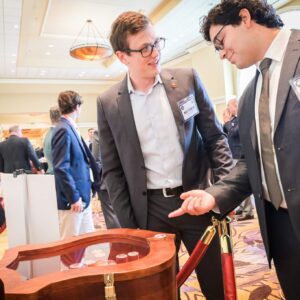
166 192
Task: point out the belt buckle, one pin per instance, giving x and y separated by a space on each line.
165 193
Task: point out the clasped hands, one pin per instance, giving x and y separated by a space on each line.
195 202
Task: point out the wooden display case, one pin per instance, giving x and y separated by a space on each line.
123 264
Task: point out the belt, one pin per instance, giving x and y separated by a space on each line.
166 192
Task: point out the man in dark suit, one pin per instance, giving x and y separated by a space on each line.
247 32
159 135
110 217
231 128
17 153
71 162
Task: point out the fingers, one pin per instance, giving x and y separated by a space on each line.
193 193
191 205
176 213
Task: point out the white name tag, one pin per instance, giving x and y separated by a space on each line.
295 84
188 107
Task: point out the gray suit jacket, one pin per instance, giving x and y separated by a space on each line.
202 139
245 178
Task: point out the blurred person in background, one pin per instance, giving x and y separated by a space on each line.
231 128
54 117
17 153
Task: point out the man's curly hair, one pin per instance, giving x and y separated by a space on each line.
227 13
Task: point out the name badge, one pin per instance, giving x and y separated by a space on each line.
295 84
188 107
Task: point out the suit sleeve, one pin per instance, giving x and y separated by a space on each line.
214 138
61 144
113 174
232 189
32 155
96 149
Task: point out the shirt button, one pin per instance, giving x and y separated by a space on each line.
144 193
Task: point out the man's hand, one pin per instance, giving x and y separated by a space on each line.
195 202
77 206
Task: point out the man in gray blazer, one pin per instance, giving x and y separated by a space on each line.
248 32
159 136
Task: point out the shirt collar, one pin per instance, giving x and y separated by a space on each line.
278 46
131 89
73 123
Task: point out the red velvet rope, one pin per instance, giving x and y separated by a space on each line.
191 263
228 276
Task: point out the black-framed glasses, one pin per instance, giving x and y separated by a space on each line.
219 45
147 50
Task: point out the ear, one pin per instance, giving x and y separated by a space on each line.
246 17
122 56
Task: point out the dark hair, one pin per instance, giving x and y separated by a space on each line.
129 22
54 114
227 13
68 101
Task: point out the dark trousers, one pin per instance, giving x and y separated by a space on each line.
285 250
110 217
189 230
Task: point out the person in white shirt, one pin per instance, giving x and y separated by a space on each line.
247 32
159 136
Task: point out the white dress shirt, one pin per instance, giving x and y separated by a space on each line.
275 52
158 135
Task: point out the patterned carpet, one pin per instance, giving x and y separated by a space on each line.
254 279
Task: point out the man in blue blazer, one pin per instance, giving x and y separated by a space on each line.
71 162
247 32
159 136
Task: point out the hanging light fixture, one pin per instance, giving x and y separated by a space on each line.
90 44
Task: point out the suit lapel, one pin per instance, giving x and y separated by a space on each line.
125 109
248 114
174 95
289 67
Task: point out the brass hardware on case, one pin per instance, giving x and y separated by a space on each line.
109 289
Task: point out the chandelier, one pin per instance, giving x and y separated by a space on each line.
90 44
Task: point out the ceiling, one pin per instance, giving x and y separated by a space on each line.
36 35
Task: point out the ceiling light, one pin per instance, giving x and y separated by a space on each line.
48 53
50 46
90 44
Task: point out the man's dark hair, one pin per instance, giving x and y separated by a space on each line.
129 22
68 101
227 13
54 113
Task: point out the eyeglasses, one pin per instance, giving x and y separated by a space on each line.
147 50
219 45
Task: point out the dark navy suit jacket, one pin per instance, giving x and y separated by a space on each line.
71 166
